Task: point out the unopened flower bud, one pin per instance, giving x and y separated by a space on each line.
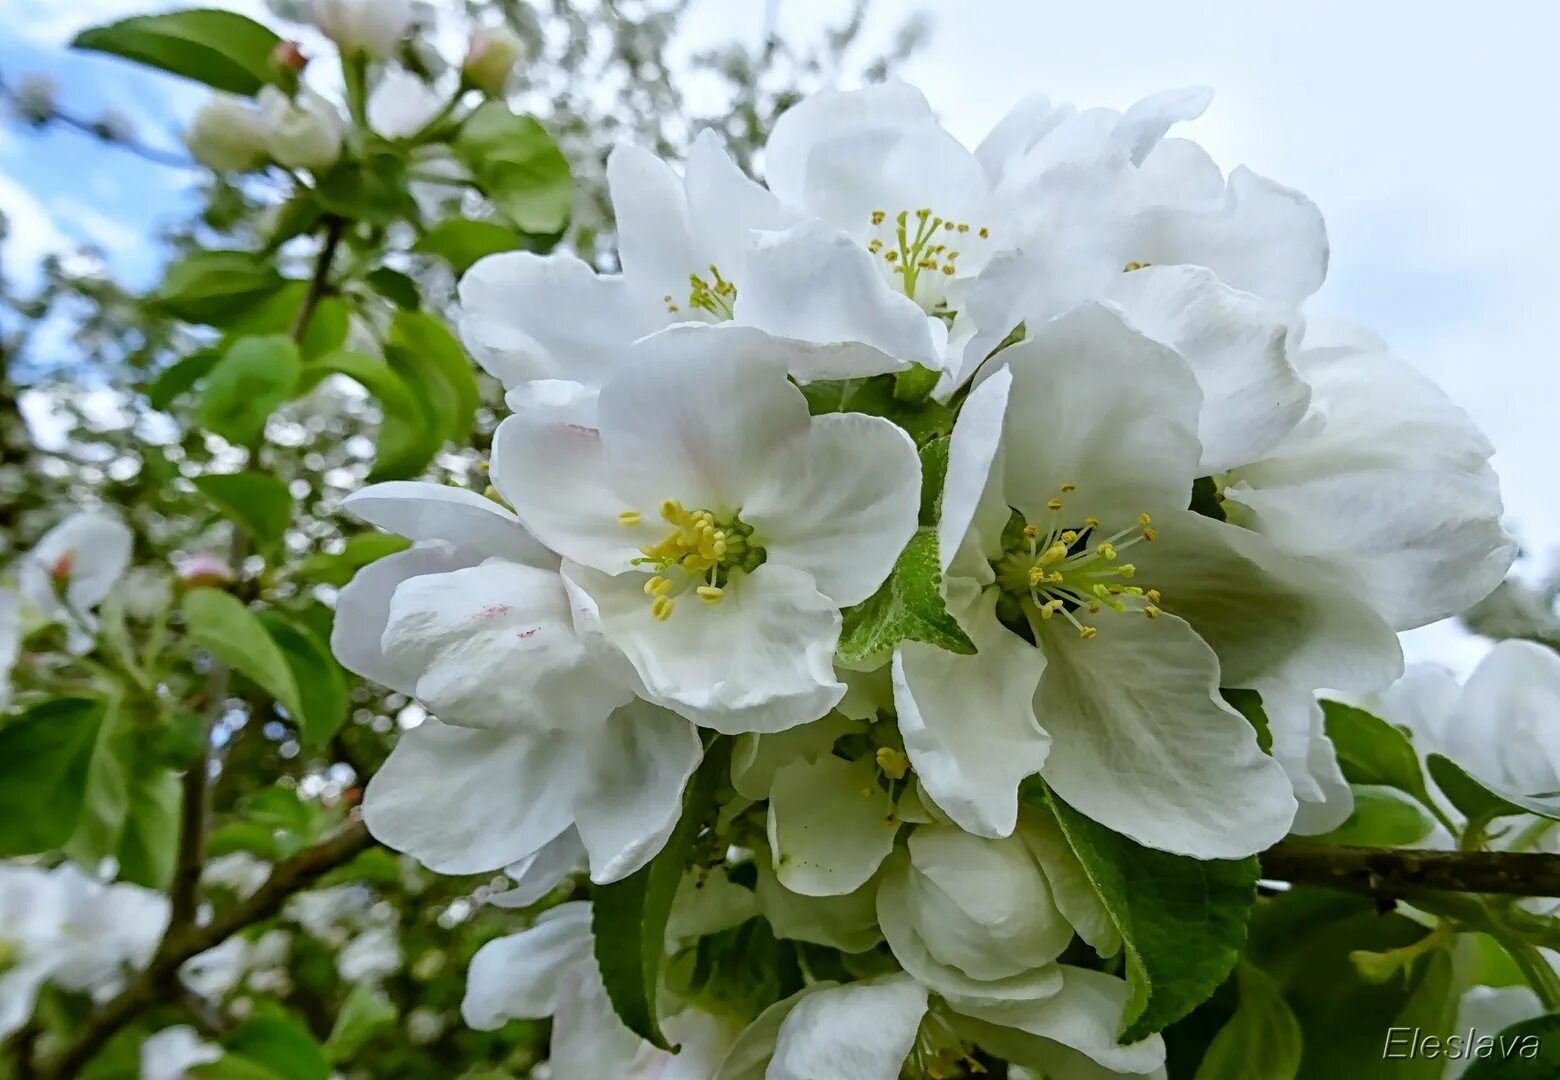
491 60
37 98
114 126
227 136
287 63
303 132
205 570
364 27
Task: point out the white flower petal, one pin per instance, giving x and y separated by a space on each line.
526 316
1085 1015
863 1031
1143 744
969 721
760 660
655 243
818 285
555 475
402 104
847 922
1234 344
972 452
494 646
1142 126
421 511
522 976
1229 582
701 416
730 206
634 795
89 551
173 1051
363 610
1097 405
845 507
756 758
1075 895
830 825
1503 726
1264 238
462 801
1308 757
542 871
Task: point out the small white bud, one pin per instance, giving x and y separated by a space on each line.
37 98
491 59
302 133
369 28
227 136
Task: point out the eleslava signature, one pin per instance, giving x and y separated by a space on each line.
1411 1042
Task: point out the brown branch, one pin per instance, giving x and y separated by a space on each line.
152 985
319 284
1391 873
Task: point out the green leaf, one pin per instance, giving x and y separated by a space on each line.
424 343
180 377
462 243
235 636
1182 920
282 1045
737 973
1381 816
934 470
1372 751
395 287
909 607
261 504
248 384
374 190
224 50
628 917
1529 1050
106 800
366 1010
149 843
248 836
360 550
1262 1040
232 1067
518 167
407 442
924 420
214 287
322 685
1479 800
46 758
276 315
1249 704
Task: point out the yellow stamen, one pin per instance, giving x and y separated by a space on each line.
629 519
661 608
894 764
1087 632
710 594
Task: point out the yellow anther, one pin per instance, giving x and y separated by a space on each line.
875 247
985 233
1133 265
1032 532
629 519
667 298
1036 576
1054 554
1106 551
1144 519
1153 596
1049 608
1069 537
661 608
891 256
949 270
1068 489
963 228
1126 569
658 586
1151 611
878 216
1150 534
1094 607
1056 577
673 511
1087 632
893 763
1091 523
1054 504
710 594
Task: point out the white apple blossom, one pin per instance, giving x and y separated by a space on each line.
71 571
370 28
172 1052
491 59
1097 456
540 719
712 529
64 927
303 131
402 104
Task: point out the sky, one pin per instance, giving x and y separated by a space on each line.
1423 133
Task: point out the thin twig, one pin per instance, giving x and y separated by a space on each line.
319 284
1392 873
151 986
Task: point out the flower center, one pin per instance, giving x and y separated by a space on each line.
700 552
1072 569
921 250
715 298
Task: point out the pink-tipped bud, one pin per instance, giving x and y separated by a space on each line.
205 570
491 60
60 569
288 55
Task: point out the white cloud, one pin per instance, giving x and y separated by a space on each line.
51 22
81 219
32 232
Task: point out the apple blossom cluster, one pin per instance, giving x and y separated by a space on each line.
881 497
